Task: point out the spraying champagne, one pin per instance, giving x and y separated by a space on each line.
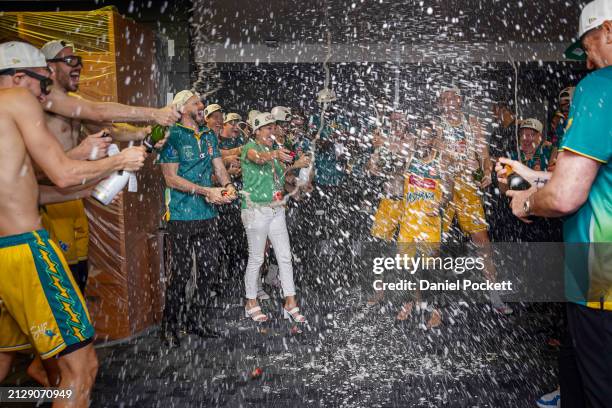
157 133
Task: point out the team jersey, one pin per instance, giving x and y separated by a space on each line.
422 186
540 159
588 232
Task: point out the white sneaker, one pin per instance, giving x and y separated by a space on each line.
262 295
550 400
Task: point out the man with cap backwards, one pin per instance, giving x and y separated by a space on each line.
66 115
580 189
463 138
189 159
41 306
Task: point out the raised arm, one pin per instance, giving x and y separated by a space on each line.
120 132
46 151
72 106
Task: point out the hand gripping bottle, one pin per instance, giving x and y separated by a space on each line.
157 133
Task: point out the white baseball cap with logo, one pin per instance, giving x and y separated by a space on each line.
252 115
532 123
210 109
263 119
17 54
52 48
181 98
592 16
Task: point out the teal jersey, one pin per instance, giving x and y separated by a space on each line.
194 151
329 171
589 134
226 143
540 158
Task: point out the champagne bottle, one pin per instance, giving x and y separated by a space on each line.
157 133
516 182
108 188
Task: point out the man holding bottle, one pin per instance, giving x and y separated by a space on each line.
41 307
189 159
65 116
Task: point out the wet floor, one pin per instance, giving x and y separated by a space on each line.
348 355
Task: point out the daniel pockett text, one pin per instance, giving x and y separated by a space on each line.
457 265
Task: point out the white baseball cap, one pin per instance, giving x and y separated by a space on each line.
213 107
252 115
567 94
263 119
181 98
592 16
52 48
281 113
532 123
231 116
17 54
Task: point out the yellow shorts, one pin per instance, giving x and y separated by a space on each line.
414 226
467 206
40 303
68 227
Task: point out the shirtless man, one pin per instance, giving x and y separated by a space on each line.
66 115
53 317
463 139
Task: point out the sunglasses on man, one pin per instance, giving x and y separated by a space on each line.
45 82
71 60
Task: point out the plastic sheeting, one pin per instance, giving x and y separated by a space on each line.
124 289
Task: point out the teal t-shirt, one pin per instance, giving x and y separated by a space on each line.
260 181
540 158
328 169
194 151
589 134
226 143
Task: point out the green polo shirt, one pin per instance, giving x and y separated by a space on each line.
259 181
589 133
194 151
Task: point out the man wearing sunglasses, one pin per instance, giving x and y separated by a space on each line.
40 305
67 116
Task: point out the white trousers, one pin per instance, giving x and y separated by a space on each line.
260 224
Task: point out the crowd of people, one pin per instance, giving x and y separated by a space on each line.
247 198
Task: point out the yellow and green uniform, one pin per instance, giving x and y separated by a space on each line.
466 204
68 226
588 268
40 303
260 181
194 151
422 194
